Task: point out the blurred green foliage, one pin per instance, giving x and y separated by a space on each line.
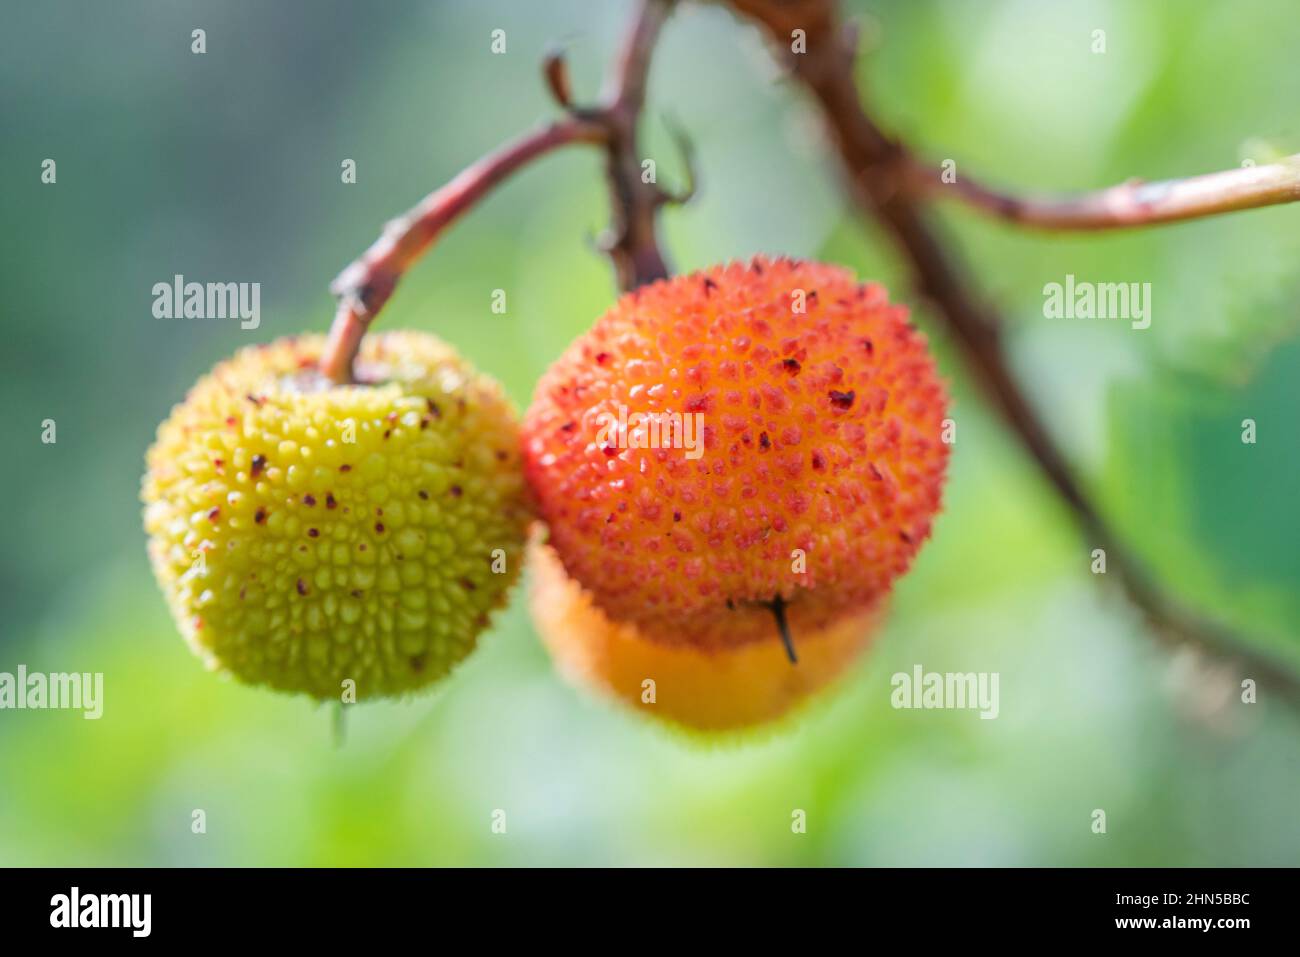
226 166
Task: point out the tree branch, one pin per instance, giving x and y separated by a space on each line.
1134 203
365 285
879 170
631 240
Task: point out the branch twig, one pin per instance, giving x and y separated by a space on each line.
1135 203
631 239
879 171
367 283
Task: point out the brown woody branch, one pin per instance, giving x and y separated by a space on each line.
879 171
631 239
1134 203
366 284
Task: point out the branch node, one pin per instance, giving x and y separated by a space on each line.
555 70
686 150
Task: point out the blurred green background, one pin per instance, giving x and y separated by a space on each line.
225 167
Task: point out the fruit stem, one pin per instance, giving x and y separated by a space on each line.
778 606
365 285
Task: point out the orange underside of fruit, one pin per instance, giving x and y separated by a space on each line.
702 689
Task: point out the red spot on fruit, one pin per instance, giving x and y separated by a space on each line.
842 400
302 587
259 464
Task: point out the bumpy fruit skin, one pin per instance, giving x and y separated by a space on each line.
822 463
725 689
344 532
